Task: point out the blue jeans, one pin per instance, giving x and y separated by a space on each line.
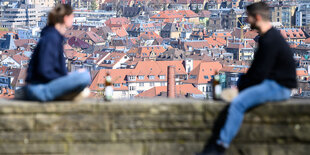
268 90
71 83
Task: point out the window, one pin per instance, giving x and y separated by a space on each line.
141 84
132 88
162 77
21 81
206 77
192 77
132 78
151 77
208 88
140 77
117 85
163 84
100 85
152 84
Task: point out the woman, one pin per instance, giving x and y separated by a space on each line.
47 75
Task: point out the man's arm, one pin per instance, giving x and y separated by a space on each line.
262 64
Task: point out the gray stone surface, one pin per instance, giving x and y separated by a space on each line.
106 149
147 127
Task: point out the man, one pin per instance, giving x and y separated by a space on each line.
270 77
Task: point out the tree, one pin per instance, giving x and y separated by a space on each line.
197 9
206 6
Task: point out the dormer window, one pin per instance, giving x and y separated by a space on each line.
162 77
100 85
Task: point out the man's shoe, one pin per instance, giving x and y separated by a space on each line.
20 94
213 150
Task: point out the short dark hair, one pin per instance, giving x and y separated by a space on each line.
58 13
259 8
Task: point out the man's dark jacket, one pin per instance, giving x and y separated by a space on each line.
273 60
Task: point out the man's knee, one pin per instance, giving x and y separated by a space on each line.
85 78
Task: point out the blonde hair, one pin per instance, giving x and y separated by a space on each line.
58 13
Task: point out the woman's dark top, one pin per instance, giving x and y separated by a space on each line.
47 61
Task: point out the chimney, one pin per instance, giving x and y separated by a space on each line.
226 41
171 82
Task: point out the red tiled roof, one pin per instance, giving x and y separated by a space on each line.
21 42
73 33
157 68
183 1
76 55
19 58
301 72
92 36
120 21
203 72
188 13
113 56
249 34
77 43
118 76
307 41
181 90
2 70
201 44
119 31
7 93
146 51
292 33
149 36
204 13
222 34
168 14
2 33
240 45
233 69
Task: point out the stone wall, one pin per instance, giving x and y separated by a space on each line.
147 127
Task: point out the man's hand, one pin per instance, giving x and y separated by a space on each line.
228 95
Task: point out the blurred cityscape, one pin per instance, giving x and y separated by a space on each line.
136 40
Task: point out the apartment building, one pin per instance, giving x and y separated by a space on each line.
21 15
